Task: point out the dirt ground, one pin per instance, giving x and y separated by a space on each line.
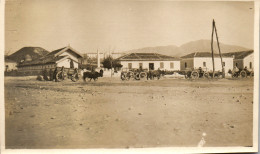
111 113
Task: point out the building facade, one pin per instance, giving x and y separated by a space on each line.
150 61
243 59
204 60
10 65
65 57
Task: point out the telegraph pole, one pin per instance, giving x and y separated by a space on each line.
223 71
212 52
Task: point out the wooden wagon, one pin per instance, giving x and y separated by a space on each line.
136 74
60 73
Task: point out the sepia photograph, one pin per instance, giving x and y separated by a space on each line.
141 75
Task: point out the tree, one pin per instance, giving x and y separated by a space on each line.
109 63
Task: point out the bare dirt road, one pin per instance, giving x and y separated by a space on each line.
111 113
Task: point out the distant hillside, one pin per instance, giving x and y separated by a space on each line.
25 52
166 50
205 46
190 47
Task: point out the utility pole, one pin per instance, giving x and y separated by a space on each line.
223 70
212 52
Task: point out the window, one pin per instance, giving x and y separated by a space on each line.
204 64
224 64
140 65
171 65
250 65
130 65
236 64
185 64
161 65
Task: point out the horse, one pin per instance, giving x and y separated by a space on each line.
154 73
92 75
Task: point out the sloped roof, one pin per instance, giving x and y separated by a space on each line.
52 57
146 57
203 54
240 54
61 50
42 61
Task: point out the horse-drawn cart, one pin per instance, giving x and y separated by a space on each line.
200 73
136 74
60 74
243 73
67 73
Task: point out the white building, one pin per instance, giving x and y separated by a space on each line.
204 60
151 61
243 59
65 57
10 65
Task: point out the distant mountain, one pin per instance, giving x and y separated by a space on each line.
205 46
190 47
29 53
166 50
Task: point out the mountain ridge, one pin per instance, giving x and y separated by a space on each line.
189 47
32 52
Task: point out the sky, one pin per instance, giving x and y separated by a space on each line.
117 25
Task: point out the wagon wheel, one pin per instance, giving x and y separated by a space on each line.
143 75
60 76
252 74
195 74
129 75
123 76
206 75
137 76
243 74
75 77
234 75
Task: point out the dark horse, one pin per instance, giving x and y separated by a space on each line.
93 75
154 74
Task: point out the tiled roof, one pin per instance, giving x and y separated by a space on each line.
55 52
239 55
146 57
42 61
203 54
51 57
61 50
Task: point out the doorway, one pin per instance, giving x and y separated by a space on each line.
151 66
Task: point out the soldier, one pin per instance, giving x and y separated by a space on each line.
62 74
55 73
51 74
44 74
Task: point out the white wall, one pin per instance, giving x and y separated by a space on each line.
198 62
135 64
247 60
66 63
11 66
